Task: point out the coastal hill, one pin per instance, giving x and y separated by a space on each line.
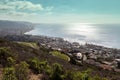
29 57
14 27
37 62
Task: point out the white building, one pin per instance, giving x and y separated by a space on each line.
79 55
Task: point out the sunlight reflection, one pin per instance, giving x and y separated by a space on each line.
84 29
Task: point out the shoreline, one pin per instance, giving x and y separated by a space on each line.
70 39
65 39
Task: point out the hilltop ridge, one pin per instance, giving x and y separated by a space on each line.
14 27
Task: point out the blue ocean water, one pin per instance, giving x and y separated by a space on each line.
101 34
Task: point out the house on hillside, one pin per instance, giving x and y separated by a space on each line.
78 56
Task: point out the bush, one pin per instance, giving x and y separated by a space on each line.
6 57
34 65
44 67
22 71
98 78
71 75
39 66
10 62
9 74
57 72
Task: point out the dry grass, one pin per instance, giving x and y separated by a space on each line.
35 77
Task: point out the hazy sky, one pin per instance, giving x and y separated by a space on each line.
61 11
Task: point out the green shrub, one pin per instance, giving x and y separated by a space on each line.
9 74
6 57
34 65
10 62
98 78
22 71
72 75
39 66
57 72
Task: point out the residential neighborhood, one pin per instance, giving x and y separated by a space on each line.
103 57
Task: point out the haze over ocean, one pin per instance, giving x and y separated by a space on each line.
101 34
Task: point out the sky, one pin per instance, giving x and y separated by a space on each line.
61 11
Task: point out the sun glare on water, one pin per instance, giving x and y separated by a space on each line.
83 29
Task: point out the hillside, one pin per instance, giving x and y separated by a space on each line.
14 27
26 52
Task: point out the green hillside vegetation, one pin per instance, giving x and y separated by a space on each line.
21 62
60 55
30 44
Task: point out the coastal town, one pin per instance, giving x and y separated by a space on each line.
59 40
99 56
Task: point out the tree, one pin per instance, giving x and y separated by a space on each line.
85 74
10 62
69 75
77 76
57 72
6 57
44 67
22 71
9 74
34 65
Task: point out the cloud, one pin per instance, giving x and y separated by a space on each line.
22 7
6 7
25 5
49 8
14 13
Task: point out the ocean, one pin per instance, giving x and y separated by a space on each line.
99 34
